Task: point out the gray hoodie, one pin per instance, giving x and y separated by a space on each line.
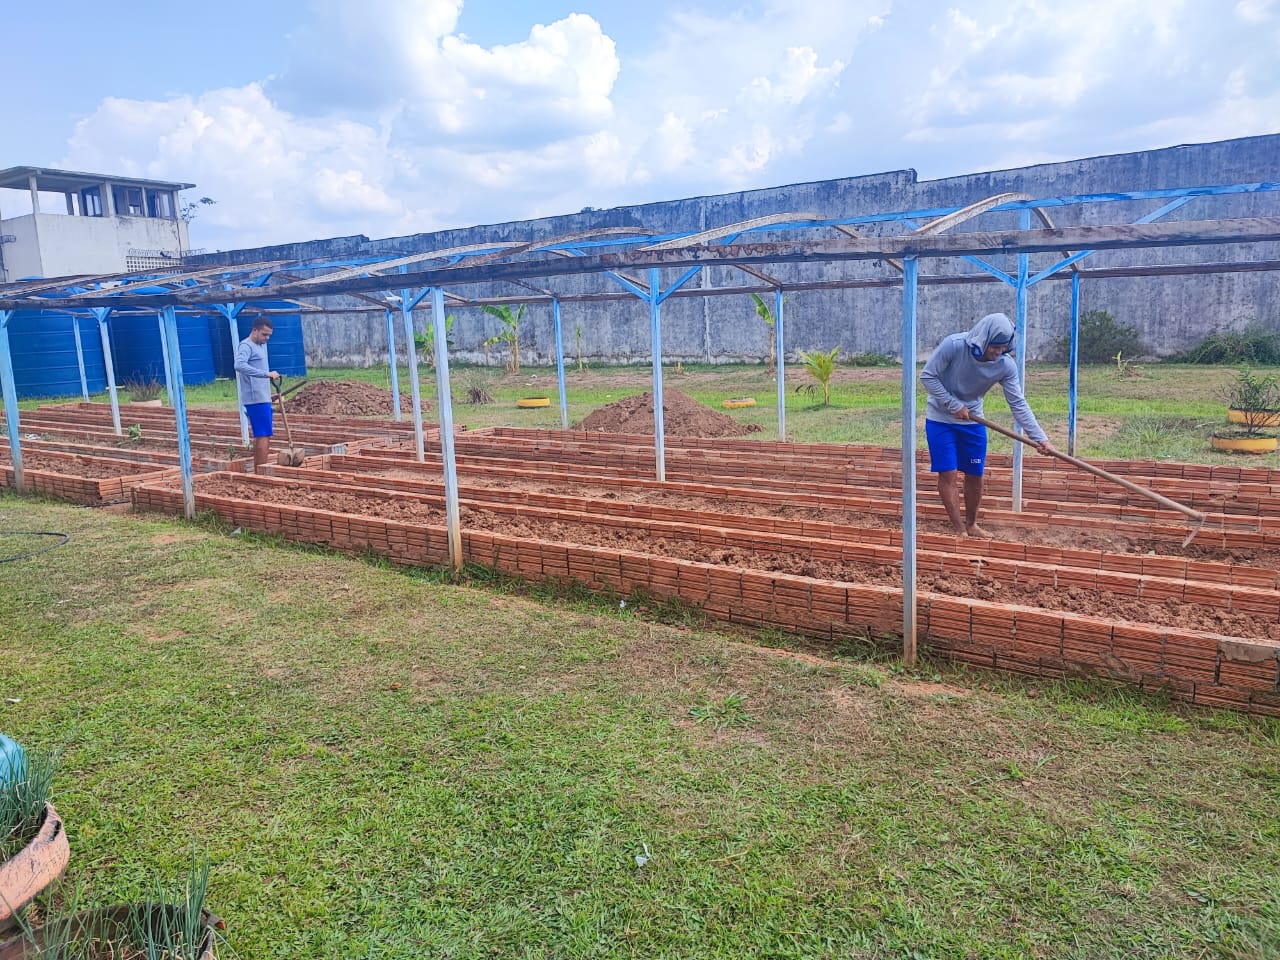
954 377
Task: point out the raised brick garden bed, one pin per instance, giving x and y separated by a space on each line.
715 560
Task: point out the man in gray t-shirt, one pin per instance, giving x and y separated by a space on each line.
958 375
253 381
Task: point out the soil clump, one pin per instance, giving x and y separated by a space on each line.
682 416
345 398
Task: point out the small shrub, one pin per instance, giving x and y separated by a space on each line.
1102 339
473 393
1253 344
140 389
1257 398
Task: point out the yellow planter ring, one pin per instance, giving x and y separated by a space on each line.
1260 419
529 403
1243 444
737 403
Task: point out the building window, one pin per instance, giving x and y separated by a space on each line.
90 202
160 204
128 201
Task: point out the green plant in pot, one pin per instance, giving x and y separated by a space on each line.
1253 403
165 923
33 843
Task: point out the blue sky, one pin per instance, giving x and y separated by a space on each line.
388 117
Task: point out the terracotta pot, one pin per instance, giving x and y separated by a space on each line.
34 867
1260 419
1243 444
112 925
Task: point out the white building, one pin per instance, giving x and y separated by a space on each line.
109 224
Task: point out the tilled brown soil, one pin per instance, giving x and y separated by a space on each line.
1065 536
1070 599
81 467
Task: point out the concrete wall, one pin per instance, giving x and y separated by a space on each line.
1171 313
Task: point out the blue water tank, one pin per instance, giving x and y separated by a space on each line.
137 353
43 347
13 762
285 350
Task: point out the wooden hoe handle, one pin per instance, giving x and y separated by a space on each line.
1098 472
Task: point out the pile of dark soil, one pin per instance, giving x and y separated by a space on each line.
345 398
682 416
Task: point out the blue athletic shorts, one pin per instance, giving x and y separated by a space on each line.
956 446
259 415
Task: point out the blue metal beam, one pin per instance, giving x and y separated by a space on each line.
779 341
178 399
655 339
1024 268
100 314
395 373
444 399
559 336
1073 365
84 381
231 311
910 288
10 390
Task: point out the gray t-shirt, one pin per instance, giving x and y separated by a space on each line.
252 372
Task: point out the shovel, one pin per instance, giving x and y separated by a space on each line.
1129 485
290 456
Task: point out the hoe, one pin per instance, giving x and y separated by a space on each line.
1129 485
290 456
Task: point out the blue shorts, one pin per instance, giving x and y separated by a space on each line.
956 446
259 415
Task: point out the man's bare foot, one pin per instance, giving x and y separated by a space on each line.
976 531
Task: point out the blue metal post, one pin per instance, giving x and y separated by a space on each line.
444 399
178 400
910 286
232 311
1024 268
84 381
1073 373
100 314
10 391
164 357
655 339
564 400
779 341
406 314
395 373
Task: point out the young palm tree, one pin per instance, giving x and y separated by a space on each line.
821 365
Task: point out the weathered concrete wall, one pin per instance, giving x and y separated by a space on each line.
1171 312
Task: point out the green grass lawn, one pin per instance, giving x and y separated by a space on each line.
385 765
1164 412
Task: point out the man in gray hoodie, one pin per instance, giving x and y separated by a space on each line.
253 381
958 375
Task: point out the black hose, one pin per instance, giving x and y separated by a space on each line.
33 533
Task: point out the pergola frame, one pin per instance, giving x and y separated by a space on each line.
405 281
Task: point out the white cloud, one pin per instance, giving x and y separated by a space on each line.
387 119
